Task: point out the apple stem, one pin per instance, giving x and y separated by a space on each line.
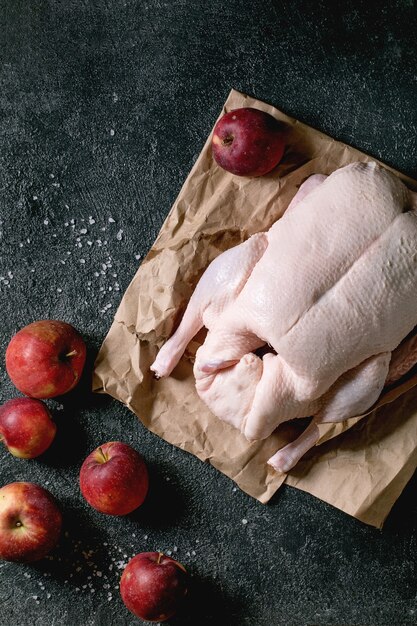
72 353
105 459
160 555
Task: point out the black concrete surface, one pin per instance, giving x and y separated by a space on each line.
104 107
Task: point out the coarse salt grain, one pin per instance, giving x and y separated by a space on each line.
111 132
83 231
46 222
119 235
82 261
137 256
91 220
244 521
111 220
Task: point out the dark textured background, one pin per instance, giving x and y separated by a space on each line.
104 107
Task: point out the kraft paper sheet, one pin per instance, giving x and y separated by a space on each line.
361 465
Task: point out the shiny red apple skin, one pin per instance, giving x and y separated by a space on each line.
248 142
114 478
153 586
26 427
30 522
46 358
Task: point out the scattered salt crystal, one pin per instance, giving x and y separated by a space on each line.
111 132
59 290
96 274
66 224
115 97
99 574
90 243
145 537
175 549
83 231
78 239
169 552
20 245
51 175
68 252
72 221
56 184
104 228
111 220
244 521
119 235
91 220
35 197
77 589
28 240
110 288
48 595
80 245
137 256
46 222
92 590
82 261
234 489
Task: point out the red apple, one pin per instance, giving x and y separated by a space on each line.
153 586
45 359
30 522
26 427
248 142
114 479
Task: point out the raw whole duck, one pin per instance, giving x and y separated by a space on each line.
331 288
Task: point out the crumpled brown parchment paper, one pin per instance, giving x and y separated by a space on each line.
364 469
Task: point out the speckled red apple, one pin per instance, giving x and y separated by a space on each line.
153 586
248 142
30 522
26 427
114 478
46 358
